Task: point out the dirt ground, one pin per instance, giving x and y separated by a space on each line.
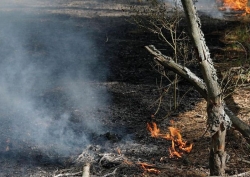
134 89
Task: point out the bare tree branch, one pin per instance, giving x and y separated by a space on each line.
182 71
198 83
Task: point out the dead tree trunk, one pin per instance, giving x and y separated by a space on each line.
218 112
218 120
200 86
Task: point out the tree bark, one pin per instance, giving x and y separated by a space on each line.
216 113
218 120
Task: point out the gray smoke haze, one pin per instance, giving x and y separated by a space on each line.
47 71
207 7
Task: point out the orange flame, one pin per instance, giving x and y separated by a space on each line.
236 5
153 129
173 152
174 136
149 168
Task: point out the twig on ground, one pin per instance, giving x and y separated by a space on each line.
68 174
113 173
243 160
111 158
86 169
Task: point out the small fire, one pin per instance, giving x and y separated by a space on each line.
236 5
153 129
148 168
174 136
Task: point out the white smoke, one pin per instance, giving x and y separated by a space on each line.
47 66
207 7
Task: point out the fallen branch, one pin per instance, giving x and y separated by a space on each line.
109 159
246 174
241 126
243 160
86 169
68 174
113 173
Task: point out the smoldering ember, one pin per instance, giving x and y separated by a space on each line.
82 96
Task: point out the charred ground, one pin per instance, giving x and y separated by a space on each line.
133 88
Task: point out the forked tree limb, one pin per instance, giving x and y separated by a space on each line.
198 83
182 71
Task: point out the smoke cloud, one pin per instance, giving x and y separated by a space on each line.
48 69
207 7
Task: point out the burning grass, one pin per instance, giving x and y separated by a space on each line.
149 168
235 5
174 136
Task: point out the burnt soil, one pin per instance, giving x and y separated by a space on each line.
134 89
